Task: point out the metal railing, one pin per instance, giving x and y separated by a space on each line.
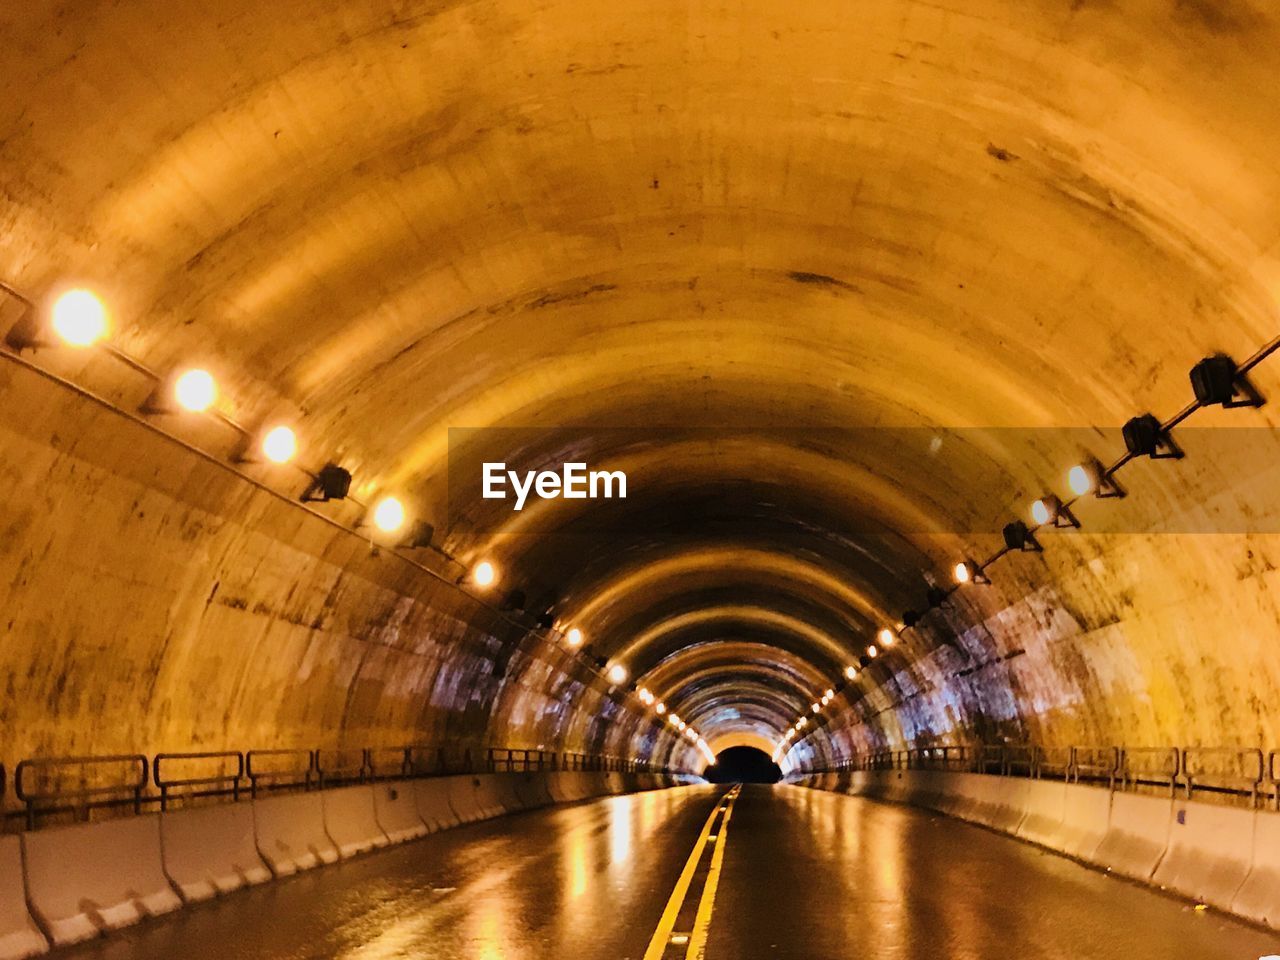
1248 774
83 788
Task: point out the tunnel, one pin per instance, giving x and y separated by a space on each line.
439 436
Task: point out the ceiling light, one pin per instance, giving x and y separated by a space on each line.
388 515
1052 512
617 674
279 444
962 573
872 651
1092 477
851 672
814 707
484 574
887 637
79 318
661 708
574 637
830 694
195 390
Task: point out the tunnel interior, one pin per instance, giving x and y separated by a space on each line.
840 319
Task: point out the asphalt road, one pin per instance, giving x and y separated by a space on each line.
791 873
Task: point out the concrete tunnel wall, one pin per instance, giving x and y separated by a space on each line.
1031 218
155 601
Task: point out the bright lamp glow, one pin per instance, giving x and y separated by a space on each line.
388 515
1079 480
872 651
661 708
484 574
574 637
279 445
851 672
1040 512
829 694
195 390
815 707
962 573
79 318
886 637
617 674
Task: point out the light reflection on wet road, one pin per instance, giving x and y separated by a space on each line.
806 875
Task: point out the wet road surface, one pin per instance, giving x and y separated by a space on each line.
792 873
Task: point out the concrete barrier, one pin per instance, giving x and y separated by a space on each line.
1137 835
1209 854
291 834
396 809
1259 896
505 787
472 798
1044 806
351 821
431 797
533 790
1086 812
93 877
19 935
211 850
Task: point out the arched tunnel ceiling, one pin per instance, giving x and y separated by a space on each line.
765 262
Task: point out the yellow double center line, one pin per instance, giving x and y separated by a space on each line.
668 942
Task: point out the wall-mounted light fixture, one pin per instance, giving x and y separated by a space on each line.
1217 381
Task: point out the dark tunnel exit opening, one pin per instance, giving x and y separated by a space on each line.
743 765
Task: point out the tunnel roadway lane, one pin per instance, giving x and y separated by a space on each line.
820 876
581 882
794 873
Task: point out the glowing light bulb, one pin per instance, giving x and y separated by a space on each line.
851 672
279 445
484 574
617 674
814 707
962 573
574 637
830 694
388 515
872 651
195 390
1040 512
887 637
79 318
1079 480
661 708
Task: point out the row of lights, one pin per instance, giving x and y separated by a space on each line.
1215 381
646 696
79 319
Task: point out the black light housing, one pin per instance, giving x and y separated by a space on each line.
1017 536
421 536
514 600
910 618
1218 382
936 596
331 483
546 620
1145 436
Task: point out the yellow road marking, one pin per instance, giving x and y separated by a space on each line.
702 923
662 937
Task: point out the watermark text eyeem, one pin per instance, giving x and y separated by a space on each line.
573 482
